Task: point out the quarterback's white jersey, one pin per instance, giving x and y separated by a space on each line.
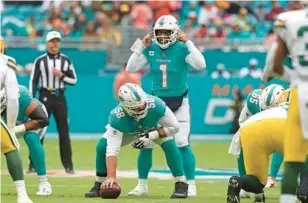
9 82
292 28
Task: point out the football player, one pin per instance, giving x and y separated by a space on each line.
32 122
169 53
292 29
9 142
252 106
258 137
141 118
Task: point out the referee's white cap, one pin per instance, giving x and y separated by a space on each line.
52 35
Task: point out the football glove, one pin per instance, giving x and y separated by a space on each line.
141 142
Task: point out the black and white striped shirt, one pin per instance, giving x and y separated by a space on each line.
42 72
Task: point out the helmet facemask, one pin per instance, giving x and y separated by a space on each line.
164 38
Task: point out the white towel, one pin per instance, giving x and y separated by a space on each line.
235 146
303 107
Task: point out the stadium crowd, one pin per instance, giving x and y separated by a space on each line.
104 19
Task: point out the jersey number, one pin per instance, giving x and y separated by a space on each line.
163 68
254 98
300 33
119 113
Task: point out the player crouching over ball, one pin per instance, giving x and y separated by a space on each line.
139 118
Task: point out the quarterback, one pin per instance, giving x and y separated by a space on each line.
139 118
292 29
169 53
32 122
9 142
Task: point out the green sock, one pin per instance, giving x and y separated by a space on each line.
14 165
276 163
172 153
289 181
250 183
189 162
101 169
240 164
144 163
37 152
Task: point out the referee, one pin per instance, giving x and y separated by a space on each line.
52 71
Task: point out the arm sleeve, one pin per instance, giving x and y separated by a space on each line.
195 58
11 87
245 114
70 77
114 140
35 76
169 123
137 60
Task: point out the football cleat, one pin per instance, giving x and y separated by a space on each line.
139 190
192 191
44 189
259 197
180 190
244 194
271 183
94 192
233 195
24 199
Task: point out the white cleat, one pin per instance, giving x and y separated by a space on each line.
139 190
244 194
24 199
192 191
271 183
44 189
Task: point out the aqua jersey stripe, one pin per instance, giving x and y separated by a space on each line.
134 92
268 100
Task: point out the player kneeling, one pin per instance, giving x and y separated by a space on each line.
32 123
259 136
139 118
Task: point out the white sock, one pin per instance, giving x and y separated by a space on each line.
143 182
100 179
287 198
179 179
191 182
20 188
43 179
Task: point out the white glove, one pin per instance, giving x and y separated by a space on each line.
141 142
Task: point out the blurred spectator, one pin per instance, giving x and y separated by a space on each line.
243 19
192 19
220 72
276 9
237 33
256 33
90 31
108 33
270 38
160 8
219 36
124 77
261 13
295 5
30 26
208 10
201 32
142 14
253 70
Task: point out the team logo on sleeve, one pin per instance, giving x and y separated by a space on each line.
115 132
151 53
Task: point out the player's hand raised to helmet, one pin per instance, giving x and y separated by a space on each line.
182 36
148 39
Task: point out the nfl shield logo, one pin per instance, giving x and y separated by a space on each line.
151 53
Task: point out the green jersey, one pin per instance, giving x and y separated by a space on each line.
252 101
126 124
168 68
25 100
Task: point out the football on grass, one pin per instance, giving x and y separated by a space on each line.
111 193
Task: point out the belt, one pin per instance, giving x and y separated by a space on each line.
53 91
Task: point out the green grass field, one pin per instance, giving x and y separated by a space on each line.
211 155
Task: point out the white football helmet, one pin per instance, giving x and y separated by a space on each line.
133 99
270 96
169 24
3 100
